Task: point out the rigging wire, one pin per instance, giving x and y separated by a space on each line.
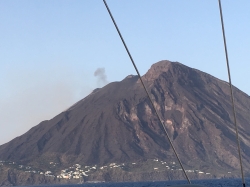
158 116
232 96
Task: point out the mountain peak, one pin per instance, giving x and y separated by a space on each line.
158 68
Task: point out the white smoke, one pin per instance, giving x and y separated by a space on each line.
101 76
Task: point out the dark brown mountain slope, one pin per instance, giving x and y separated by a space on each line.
117 124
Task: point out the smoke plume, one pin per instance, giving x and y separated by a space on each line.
102 77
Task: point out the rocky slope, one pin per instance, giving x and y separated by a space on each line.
117 124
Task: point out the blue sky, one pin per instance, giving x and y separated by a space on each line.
49 50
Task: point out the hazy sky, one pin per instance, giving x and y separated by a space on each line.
53 53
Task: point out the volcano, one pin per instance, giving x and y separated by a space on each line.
117 123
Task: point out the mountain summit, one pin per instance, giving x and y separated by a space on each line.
117 123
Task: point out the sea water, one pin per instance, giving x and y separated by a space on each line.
208 183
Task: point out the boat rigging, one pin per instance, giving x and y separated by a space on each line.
158 116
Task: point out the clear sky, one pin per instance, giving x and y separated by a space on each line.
51 51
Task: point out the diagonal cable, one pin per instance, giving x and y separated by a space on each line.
158 116
232 96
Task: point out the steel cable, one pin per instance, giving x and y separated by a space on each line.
232 96
158 116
